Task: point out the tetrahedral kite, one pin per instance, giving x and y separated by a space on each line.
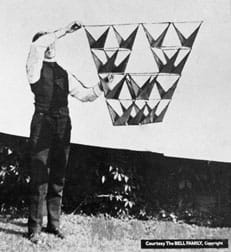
138 98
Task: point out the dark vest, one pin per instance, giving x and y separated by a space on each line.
51 90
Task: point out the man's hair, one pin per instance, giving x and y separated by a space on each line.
38 35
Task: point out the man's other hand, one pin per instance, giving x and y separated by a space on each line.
109 78
105 82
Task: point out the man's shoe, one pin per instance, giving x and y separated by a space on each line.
34 237
56 231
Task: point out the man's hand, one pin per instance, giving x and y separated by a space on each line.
105 82
73 26
109 78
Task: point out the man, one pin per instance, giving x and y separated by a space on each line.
50 128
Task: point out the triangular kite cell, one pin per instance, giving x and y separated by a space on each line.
187 42
126 43
110 66
97 43
158 42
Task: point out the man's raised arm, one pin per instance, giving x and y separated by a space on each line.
40 42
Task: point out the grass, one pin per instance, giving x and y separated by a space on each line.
90 233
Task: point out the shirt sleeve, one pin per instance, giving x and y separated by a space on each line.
36 54
80 92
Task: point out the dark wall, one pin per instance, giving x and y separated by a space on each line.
165 182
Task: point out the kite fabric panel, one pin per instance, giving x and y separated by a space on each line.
137 98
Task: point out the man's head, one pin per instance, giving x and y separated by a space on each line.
50 52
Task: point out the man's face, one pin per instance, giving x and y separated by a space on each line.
50 52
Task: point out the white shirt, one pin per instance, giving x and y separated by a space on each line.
35 61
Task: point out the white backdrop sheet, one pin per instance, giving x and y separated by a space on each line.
198 121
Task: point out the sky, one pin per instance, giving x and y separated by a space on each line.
197 123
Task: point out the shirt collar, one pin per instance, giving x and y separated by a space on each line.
49 60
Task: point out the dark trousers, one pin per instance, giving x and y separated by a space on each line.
50 145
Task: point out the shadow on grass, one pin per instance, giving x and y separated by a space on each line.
14 220
12 231
10 225
16 223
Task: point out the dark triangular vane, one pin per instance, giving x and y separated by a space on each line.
122 106
187 42
158 61
160 89
159 41
169 66
138 118
128 43
162 114
148 107
169 93
134 106
150 118
122 66
122 120
132 86
178 69
113 114
109 66
97 61
146 89
137 109
171 90
100 42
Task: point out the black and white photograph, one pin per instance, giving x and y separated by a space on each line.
115 125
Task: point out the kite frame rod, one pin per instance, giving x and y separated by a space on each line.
143 23
145 73
125 49
144 100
